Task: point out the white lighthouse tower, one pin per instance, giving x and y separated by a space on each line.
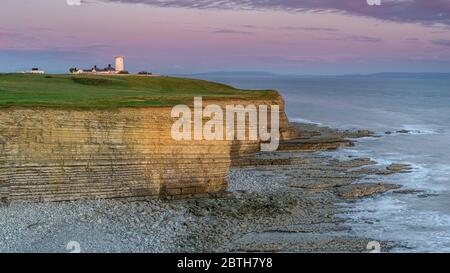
120 64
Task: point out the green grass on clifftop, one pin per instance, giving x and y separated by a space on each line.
92 91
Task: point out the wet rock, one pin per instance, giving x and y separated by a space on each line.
366 171
246 162
357 133
311 145
408 191
427 195
399 168
306 135
363 190
358 162
391 169
318 184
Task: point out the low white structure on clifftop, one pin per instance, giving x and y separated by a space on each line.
34 70
119 69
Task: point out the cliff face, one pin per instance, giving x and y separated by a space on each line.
58 155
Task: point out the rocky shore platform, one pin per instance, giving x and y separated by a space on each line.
284 201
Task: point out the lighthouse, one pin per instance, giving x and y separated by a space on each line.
120 64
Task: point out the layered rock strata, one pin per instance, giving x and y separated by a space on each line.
60 154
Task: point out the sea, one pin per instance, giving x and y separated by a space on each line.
382 103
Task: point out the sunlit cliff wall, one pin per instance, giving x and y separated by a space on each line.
59 155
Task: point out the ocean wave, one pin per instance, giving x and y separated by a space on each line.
421 229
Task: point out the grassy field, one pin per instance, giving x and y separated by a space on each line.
92 91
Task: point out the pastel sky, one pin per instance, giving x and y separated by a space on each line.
190 36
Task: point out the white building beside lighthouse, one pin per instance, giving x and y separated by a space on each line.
119 69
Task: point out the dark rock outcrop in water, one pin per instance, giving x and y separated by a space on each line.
365 189
312 138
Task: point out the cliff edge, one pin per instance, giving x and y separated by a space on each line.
56 154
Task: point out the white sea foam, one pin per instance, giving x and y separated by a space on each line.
420 129
396 220
302 120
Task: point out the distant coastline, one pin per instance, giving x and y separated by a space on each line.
388 75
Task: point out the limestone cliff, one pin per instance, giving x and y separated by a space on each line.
60 154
